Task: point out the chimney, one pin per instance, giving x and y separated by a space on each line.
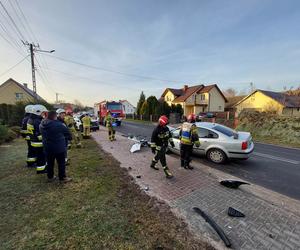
185 87
25 85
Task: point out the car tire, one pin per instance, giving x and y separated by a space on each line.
216 155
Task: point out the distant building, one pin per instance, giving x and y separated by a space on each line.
128 108
12 92
269 101
196 99
231 101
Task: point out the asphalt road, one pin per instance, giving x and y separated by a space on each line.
273 167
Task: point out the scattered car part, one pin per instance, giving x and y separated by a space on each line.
138 143
234 213
233 184
135 147
214 225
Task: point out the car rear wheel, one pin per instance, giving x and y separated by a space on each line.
216 155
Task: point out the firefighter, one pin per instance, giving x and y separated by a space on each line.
31 159
61 113
39 112
110 121
86 124
161 136
70 122
188 138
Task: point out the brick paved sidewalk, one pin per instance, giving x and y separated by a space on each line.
267 224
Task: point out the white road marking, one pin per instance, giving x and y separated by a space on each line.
276 158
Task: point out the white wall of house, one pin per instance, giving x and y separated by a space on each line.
216 102
128 108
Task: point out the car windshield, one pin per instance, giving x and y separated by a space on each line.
114 106
224 130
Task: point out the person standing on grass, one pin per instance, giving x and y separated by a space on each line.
54 139
61 113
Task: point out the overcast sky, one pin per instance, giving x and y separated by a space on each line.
231 43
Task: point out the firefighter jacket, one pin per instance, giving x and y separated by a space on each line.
161 136
33 129
54 134
24 131
86 121
189 134
69 121
109 120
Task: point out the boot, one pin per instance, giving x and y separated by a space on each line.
65 180
167 173
153 163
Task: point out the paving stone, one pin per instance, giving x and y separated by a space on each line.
197 188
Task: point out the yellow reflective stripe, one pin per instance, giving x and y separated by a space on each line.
31 159
40 137
158 147
27 138
37 144
30 128
23 131
41 168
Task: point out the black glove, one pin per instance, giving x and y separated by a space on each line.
153 150
172 144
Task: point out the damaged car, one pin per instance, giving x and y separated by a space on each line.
218 143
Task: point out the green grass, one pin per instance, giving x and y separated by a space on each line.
101 209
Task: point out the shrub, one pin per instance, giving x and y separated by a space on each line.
6 134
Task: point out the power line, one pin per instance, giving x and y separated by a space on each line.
26 20
6 71
113 71
10 38
86 78
13 22
19 18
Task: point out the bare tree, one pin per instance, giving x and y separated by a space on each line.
230 92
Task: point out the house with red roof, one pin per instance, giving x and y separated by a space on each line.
196 99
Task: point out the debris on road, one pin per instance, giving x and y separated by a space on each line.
214 225
234 213
138 176
233 184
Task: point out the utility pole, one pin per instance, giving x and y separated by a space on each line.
57 94
34 48
33 71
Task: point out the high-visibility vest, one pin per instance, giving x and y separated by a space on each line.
86 121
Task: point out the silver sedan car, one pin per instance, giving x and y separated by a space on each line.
218 142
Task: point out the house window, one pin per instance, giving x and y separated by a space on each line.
19 96
202 97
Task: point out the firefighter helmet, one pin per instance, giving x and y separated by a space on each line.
29 109
191 118
59 111
163 120
39 109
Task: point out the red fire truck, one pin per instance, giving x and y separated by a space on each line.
115 108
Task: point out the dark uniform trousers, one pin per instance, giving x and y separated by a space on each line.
185 154
60 158
160 155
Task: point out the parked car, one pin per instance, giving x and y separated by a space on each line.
218 142
78 123
204 115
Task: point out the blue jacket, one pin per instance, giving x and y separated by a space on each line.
54 135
